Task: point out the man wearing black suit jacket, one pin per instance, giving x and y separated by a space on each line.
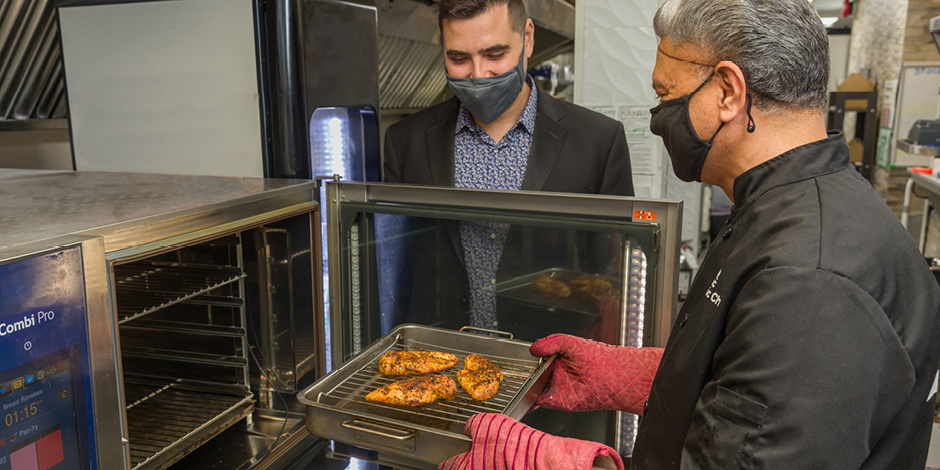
573 149
494 134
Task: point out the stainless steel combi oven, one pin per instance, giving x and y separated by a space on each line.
181 311
158 321
399 254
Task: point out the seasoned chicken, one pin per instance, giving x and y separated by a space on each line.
479 377
416 391
415 362
592 287
548 285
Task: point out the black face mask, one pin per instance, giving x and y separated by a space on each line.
671 121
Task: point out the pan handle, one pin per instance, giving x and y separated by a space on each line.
368 427
484 330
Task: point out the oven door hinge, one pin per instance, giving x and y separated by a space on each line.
318 181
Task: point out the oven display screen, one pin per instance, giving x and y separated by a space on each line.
45 388
39 428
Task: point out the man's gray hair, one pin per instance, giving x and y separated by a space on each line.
780 45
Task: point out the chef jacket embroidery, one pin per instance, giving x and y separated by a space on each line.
481 163
711 294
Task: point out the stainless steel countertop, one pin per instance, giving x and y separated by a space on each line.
37 205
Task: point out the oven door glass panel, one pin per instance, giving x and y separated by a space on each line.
530 272
344 142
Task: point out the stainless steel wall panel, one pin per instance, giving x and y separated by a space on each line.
164 87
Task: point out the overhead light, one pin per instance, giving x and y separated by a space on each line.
828 21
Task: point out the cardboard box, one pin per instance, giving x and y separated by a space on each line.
857 82
856 150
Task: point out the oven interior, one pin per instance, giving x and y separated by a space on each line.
216 334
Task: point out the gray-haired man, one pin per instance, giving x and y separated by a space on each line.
810 337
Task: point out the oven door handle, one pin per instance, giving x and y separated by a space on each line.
374 427
484 330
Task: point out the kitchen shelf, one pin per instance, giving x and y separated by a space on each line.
146 287
166 422
914 149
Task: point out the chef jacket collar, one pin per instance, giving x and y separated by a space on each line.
806 161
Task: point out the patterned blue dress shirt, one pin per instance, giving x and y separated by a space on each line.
481 163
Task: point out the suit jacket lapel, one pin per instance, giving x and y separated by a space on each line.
439 139
547 141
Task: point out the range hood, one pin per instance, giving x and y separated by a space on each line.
31 87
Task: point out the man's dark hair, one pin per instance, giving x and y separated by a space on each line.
466 9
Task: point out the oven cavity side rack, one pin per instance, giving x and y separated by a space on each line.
145 287
168 420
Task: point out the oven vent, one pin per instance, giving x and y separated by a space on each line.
31 85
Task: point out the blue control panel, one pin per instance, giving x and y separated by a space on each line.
46 418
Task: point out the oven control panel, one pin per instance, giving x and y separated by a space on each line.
45 389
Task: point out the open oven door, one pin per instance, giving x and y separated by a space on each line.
449 258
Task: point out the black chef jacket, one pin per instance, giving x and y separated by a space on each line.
809 338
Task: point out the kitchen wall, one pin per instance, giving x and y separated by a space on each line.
878 33
615 51
839 46
918 45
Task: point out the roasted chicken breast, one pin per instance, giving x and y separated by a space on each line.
551 287
415 362
416 391
592 288
480 377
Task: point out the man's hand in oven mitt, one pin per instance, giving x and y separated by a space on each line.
502 443
588 375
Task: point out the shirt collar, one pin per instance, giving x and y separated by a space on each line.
526 120
807 161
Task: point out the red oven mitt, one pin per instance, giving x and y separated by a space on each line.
588 375
502 443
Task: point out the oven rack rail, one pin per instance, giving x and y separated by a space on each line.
452 413
145 287
166 422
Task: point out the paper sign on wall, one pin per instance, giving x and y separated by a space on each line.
644 149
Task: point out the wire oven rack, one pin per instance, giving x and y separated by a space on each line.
145 287
165 420
452 414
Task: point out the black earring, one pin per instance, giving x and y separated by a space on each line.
750 120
